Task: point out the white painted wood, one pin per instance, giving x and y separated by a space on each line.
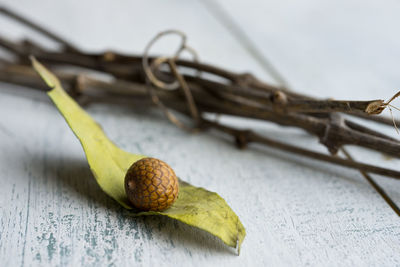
341 49
330 48
296 211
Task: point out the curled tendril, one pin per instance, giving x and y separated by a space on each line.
390 109
179 82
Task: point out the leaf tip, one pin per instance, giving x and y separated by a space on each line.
46 75
33 59
240 237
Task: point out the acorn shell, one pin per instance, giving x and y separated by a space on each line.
151 185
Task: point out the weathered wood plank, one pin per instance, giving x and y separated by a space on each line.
338 50
296 211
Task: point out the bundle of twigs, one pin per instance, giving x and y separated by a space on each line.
194 89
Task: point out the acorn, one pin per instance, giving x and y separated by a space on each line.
151 185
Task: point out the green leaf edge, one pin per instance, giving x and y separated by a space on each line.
53 82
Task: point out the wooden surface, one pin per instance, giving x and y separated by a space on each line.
297 212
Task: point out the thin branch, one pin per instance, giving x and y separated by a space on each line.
235 94
240 35
121 89
36 27
244 137
377 188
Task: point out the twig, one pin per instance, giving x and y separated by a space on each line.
36 27
232 94
241 36
243 137
377 188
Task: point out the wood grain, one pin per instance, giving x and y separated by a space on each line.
296 212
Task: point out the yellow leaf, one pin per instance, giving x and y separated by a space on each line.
195 206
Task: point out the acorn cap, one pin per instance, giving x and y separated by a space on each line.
151 185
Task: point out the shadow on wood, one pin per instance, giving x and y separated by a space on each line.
74 177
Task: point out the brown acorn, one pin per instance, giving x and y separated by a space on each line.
151 185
